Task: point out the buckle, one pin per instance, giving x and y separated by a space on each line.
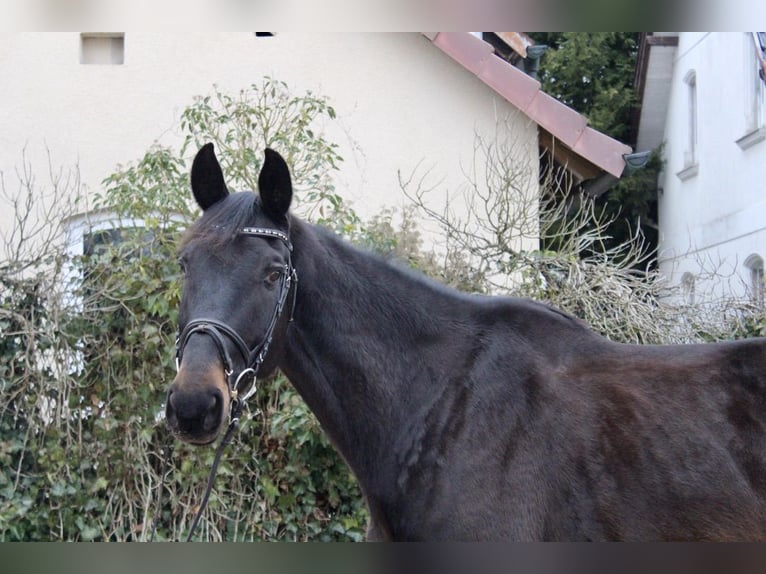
244 393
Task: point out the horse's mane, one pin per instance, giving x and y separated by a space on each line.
390 267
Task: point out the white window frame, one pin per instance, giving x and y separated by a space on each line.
690 162
688 288
754 265
76 229
754 89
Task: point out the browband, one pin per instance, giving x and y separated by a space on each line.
267 232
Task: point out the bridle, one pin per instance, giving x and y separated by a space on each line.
242 385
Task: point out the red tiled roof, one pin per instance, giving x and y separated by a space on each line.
565 125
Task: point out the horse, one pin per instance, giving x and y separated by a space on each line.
463 417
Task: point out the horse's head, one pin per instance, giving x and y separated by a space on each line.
238 277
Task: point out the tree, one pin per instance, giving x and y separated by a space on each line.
269 115
593 73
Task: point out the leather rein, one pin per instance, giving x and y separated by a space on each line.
242 384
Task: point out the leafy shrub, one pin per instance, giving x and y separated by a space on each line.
84 369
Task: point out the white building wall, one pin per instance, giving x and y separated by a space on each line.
401 103
713 213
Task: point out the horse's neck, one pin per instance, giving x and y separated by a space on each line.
353 350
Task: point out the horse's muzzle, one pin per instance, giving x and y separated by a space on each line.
195 412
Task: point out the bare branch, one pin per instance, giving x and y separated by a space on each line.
549 242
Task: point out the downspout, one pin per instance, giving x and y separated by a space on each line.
601 184
532 60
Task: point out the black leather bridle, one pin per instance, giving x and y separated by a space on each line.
242 385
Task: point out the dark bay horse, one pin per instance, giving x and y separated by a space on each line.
463 417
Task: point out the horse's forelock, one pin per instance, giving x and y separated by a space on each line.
220 223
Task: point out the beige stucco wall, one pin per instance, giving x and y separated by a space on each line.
400 102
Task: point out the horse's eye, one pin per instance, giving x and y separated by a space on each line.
274 276
182 265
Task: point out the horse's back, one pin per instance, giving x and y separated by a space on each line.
671 441
588 439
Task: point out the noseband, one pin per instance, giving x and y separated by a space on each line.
242 386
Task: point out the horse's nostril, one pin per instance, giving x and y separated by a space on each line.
214 413
195 411
169 412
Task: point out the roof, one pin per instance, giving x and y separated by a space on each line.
564 132
653 80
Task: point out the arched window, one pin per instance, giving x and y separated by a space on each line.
687 288
754 264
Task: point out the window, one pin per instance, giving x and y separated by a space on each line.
753 88
90 234
687 288
691 147
754 264
96 242
690 154
102 48
753 84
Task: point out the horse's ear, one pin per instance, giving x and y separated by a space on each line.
207 181
275 186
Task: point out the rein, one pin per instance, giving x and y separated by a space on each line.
242 385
